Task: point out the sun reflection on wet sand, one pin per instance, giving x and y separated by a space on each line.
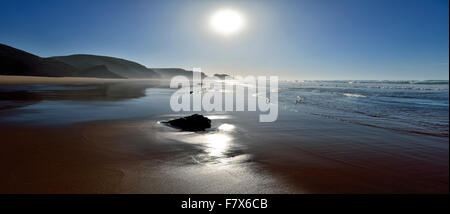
226 127
217 145
212 161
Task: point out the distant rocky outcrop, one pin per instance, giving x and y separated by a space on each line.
222 76
195 122
168 73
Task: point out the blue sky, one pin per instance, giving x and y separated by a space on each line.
310 39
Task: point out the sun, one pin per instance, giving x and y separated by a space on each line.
227 22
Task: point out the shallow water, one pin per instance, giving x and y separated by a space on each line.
66 111
405 106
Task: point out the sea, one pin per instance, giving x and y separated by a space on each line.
419 107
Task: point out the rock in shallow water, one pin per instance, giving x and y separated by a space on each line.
195 122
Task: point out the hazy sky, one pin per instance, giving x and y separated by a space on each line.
311 39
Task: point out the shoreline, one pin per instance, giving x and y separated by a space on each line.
29 80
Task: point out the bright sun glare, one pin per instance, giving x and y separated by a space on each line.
227 22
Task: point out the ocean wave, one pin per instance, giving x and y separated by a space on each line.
423 82
322 91
353 95
373 81
381 87
443 132
431 82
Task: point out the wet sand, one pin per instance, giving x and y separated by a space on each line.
118 157
142 156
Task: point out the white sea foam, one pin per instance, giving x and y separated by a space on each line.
353 95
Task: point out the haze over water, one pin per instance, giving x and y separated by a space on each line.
419 107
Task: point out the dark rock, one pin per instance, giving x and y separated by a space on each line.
194 122
222 76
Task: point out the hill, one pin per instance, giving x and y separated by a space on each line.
99 71
119 67
20 63
17 62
